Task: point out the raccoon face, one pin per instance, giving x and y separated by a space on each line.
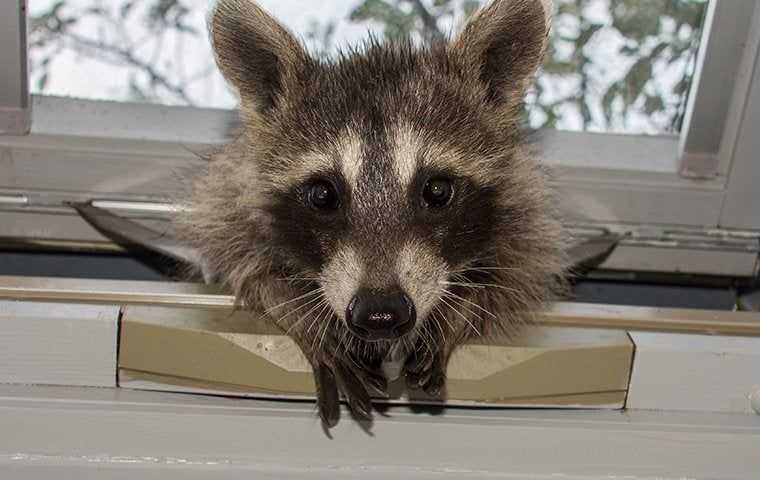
386 175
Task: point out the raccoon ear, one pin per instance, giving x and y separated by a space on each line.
504 45
255 52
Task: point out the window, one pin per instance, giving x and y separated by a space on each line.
622 67
645 109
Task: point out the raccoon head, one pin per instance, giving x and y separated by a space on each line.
390 180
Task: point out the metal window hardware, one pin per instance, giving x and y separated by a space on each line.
14 200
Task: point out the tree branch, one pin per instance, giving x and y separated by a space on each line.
428 20
127 57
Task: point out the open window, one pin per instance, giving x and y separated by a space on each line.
644 111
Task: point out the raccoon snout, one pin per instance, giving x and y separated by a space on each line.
380 315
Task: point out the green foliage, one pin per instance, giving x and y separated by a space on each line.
655 37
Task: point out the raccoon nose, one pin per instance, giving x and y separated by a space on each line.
380 315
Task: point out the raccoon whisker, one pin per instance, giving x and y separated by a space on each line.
310 293
502 287
350 342
437 324
323 303
324 331
299 279
295 324
488 271
463 281
483 269
319 301
433 319
462 284
443 299
465 307
344 346
424 336
324 314
471 303
317 318
478 285
437 308
316 336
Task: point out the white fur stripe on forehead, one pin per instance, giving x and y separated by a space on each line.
413 151
344 155
349 151
406 147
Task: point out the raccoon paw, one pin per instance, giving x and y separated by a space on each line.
354 382
425 370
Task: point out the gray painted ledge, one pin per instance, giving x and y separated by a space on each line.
86 433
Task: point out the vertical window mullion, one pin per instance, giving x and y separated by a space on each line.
723 41
15 106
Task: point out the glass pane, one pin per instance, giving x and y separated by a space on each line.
620 66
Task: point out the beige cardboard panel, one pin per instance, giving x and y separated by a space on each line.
548 372
543 364
207 356
147 381
155 381
226 320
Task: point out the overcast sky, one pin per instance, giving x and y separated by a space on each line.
185 56
78 76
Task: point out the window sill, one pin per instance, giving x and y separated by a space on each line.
102 433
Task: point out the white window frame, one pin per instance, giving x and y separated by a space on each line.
700 181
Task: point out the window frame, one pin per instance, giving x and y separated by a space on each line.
15 113
701 179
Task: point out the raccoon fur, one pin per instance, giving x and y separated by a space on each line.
381 207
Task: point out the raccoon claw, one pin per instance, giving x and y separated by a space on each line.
359 401
376 383
425 371
328 401
415 381
435 383
371 377
418 368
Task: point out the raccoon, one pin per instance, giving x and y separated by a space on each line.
380 206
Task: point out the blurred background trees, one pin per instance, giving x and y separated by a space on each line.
613 65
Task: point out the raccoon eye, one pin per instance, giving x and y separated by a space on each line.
322 195
438 192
